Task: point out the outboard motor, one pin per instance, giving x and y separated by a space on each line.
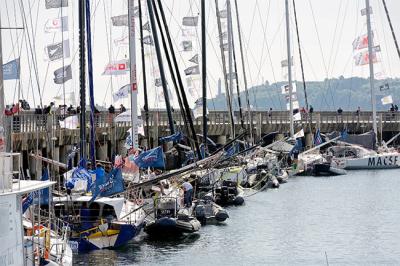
200 213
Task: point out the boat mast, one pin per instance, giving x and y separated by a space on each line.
371 68
132 72
186 109
3 140
91 89
204 71
244 75
146 100
391 28
82 82
227 94
160 65
230 59
289 60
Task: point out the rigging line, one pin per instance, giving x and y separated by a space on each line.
20 47
301 62
332 50
265 44
391 28
352 66
338 46
339 42
319 41
109 50
271 65
48 63
32 54
385 41
209 74
13 48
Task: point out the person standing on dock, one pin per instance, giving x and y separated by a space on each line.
188 193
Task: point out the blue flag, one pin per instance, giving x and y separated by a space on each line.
79 173
297 147
318 139
344 135
112 184
11 70
33 197
175 137
151 158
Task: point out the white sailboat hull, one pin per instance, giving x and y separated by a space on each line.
378 161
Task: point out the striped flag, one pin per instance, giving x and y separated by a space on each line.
318 139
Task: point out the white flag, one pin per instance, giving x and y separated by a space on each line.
297 117
121 93
71 122
56 25
198 109
285 88
299 134
387 100
295 105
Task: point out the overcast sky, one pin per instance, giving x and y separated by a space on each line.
327 30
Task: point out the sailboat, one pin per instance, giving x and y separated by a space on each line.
356 157
97 219
33 239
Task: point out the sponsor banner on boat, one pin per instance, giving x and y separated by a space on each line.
146 26
193 70
119 21
223 13
119 67
56 3
361 42
284 63
11 70
62 74
187 46
194 59
56 25
362 58
364 11
190 21
57 51
123 41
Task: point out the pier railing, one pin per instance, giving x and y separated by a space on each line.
29 122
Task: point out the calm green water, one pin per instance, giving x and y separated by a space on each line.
353 219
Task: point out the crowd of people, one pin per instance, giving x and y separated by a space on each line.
62 109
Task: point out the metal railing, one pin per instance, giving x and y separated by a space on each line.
29 122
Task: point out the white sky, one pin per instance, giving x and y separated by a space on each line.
327 30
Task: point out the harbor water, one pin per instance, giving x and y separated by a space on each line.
344 220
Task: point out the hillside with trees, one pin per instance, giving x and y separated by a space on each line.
327 95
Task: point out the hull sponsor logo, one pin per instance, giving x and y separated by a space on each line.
383 161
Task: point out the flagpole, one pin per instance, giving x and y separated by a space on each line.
146 101
289 59
230 66
161 66
204 71
3 127
82 80
227 94
371 69
91 89
132 71
244 75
